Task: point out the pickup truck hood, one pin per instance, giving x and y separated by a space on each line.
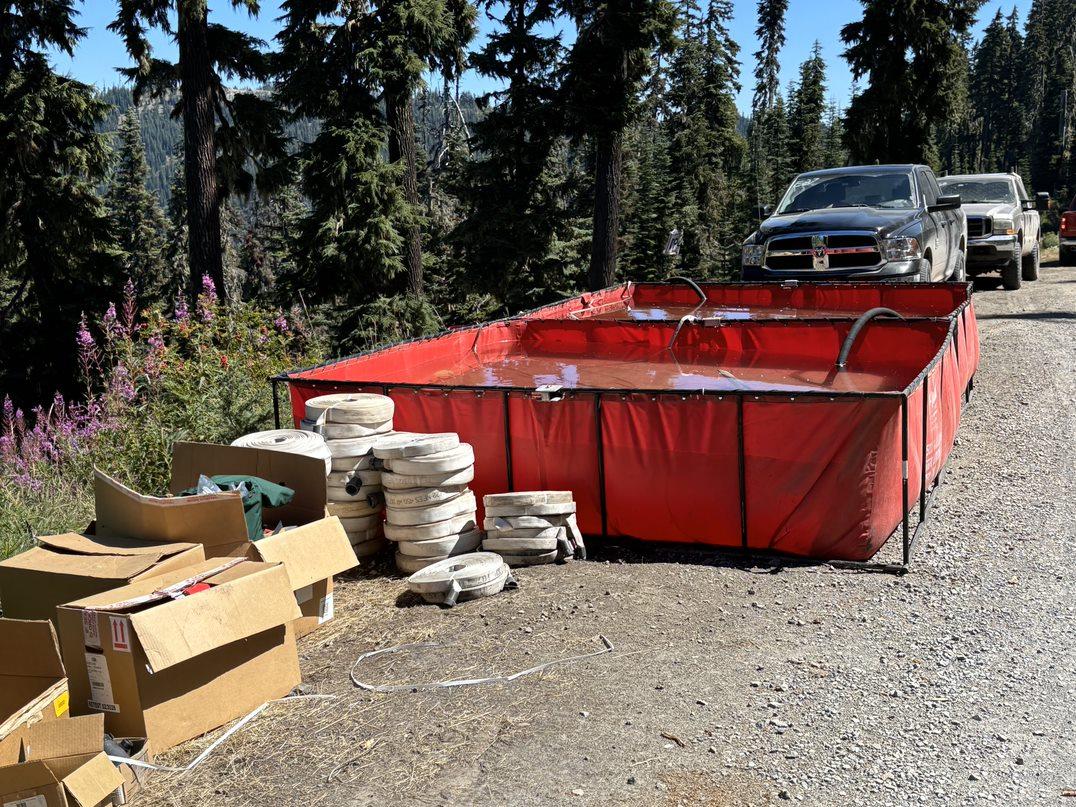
835 219
989 209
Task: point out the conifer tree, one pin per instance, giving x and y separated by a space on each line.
136 214
907 52
56 251
514 207
808 106
994 89
225 132
177 268
706 149
762 135
614 45
412 36
1050 57
834 154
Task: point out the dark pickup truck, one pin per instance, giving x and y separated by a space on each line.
874 222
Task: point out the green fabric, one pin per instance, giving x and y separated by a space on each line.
261 494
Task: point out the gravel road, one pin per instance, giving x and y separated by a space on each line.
730 684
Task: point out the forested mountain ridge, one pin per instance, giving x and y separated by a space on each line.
162 133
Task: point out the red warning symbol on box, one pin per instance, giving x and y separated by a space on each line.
121 633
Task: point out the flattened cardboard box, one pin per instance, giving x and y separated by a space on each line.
172 669
33 685
58 764
71 566
312 553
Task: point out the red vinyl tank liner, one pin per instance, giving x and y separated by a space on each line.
741 434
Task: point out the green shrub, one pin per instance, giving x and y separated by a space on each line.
200 375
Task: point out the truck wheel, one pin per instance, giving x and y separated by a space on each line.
1030 267
925 270
1068 257
960 273
1010 274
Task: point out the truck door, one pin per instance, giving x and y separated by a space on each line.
938 228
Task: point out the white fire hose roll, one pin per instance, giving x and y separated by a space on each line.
440 529
337 431
404 444
442 511
393 481
508 511
359 408
454 459
290 441
545 541
466 571
422 497
521 499
441 547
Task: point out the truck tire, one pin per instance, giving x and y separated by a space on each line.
1010 274
1030 264
1068 257
960 273
925 269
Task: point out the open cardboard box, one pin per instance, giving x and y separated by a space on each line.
168 666
71 566
57 764
312 553
33 685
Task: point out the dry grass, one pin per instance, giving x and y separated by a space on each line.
400 747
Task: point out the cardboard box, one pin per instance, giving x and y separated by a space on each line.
169 669
71 566
312 553
56 764
33 685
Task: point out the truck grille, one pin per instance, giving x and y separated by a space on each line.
979 226
843 251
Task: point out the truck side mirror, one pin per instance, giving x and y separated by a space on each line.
945 203
1042 201
764 211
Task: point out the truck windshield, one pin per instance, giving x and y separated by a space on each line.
866 189
979 191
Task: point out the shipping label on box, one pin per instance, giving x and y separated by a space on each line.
101 698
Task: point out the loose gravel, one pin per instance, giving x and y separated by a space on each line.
733 684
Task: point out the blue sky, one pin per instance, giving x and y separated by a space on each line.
101 52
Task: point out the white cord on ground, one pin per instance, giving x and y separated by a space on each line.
461 682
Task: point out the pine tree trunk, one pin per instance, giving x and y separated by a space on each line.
609 153
402 146
199 153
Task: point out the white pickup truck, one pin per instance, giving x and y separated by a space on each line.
1004 233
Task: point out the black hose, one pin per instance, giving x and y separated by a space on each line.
692 283
857 326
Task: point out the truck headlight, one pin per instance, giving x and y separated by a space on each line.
1003 226
753 254
901 249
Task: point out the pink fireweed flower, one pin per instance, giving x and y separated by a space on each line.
121 384
87 349
182 313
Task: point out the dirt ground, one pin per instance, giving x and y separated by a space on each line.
729 684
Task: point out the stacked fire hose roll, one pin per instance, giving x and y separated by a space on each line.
531 528
466 577
429 508
290 441
352 424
